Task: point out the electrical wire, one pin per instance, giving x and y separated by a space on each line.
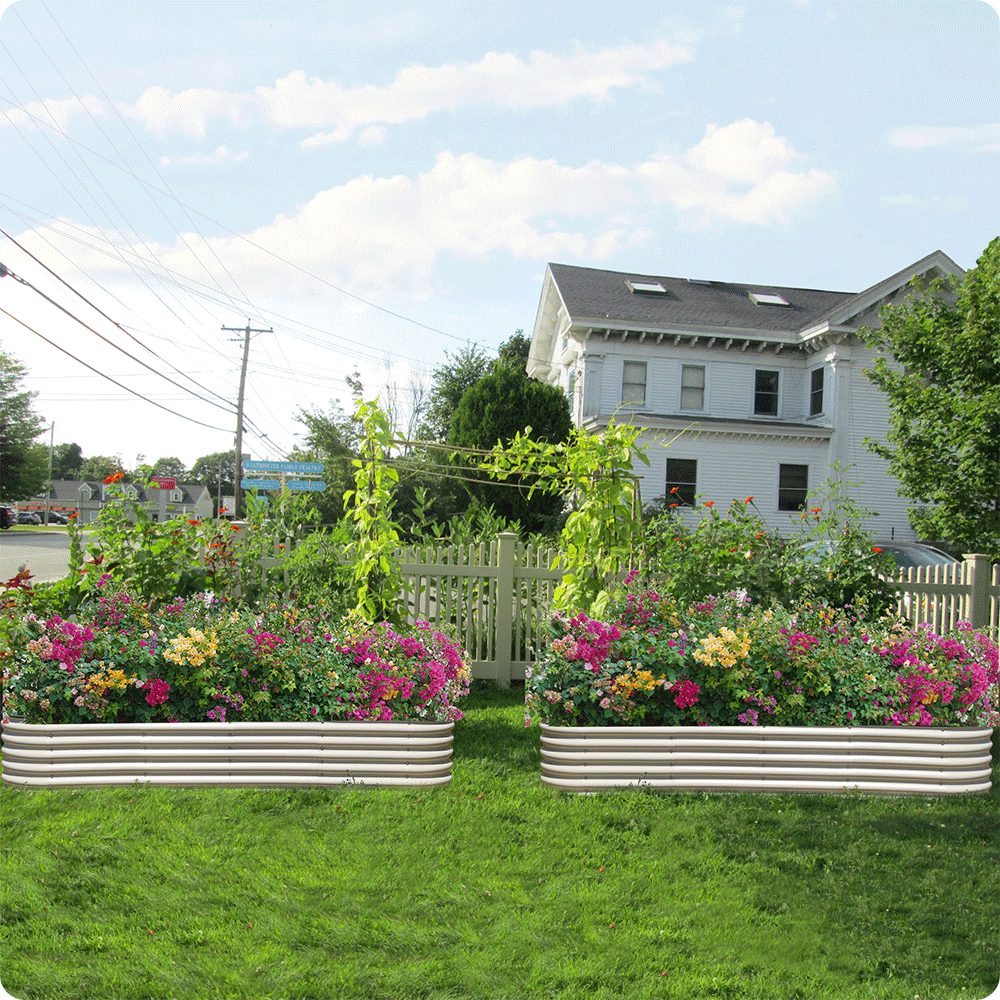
108 377
86 326
108 318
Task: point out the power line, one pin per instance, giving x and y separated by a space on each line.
86 326
108 377
109 319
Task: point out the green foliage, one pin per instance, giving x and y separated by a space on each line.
594 474
66 461
943 391
497 408
332 438
693 553
99 467
450 381
20 477
376 571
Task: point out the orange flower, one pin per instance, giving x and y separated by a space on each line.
675 505
114 477
709 503
875 548
815 510
749 499
674 489
192 522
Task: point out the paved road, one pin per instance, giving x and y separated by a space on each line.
46 553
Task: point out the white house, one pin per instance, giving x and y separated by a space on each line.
741 389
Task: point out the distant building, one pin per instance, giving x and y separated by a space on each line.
740 389
87 497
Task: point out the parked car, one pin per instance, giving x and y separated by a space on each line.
912 554
28 517
8 516
56 517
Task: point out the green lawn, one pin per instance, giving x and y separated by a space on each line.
495 886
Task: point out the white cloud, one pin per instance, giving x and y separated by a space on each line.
391 233
498 79
53 114
189 111
983 137
221 155
739 173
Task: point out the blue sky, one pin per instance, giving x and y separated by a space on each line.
383 187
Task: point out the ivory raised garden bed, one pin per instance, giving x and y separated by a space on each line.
258 754
888 760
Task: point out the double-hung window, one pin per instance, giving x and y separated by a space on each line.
816 392
765 392
682 480
634 383
692 387
793 485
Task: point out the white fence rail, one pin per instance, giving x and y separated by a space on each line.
495 596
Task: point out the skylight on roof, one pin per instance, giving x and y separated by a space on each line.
645 287
767 299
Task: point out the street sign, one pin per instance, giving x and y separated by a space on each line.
260 484
309 485
163 482
302 468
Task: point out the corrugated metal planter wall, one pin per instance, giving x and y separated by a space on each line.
258 754
890 760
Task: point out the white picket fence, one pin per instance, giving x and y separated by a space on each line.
495 597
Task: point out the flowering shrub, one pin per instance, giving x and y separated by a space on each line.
726 661
126 659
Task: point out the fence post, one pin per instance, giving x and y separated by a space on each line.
505 606
977 573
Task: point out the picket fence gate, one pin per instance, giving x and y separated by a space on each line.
496 595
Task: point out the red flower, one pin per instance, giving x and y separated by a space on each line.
875 548
709 503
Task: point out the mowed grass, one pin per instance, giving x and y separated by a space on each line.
495 886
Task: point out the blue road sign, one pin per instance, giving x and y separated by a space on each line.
309 485
302 468
260 484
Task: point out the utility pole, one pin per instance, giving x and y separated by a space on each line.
238 464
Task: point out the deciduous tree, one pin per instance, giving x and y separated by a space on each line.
19 476
941 377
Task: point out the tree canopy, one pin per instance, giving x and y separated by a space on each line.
20 475
497 408
941 377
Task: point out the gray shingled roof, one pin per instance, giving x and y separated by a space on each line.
592 295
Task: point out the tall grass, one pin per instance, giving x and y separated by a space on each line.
498 887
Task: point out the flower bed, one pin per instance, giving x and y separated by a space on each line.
198 692
724 694
201 660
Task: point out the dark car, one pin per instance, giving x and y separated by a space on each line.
7 517
56 517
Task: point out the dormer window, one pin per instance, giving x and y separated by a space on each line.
86 493
130 492
767 299
176 496
637 287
